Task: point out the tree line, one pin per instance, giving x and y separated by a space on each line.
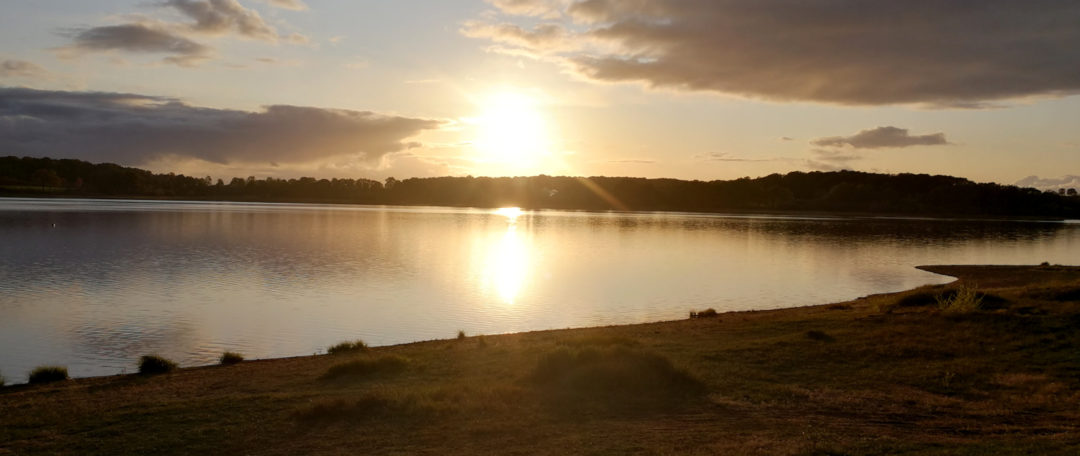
838 191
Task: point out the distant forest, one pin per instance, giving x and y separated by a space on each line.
840 191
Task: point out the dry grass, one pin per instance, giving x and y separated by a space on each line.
344 348
48 374
894 379
229 358
154 365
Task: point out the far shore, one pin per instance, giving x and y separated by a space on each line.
983 365
733 211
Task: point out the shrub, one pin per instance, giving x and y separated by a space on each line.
461 335
820 336
363 368
710 312
154 364
48 374
231 358
355 346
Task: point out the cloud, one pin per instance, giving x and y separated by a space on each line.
543 36
848 52
143 34
224 16
139 38
22 69
882 137
295 5
1049 183
136 129
633 161
825 166
542 8
725 157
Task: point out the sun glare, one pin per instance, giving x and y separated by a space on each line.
512 131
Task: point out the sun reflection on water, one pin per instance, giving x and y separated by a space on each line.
508 259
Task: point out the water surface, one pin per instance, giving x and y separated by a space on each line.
94 284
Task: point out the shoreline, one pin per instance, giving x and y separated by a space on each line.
915 371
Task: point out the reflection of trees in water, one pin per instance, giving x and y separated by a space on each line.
922 231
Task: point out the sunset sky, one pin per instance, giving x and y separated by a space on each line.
691 89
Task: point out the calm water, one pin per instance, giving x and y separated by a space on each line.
95 284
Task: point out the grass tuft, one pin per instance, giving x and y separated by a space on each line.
356 346
615 378
710 312
963 300
154 364
819 336
229 358
367 368
48 374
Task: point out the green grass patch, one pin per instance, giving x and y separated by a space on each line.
356 346
48 374
154 364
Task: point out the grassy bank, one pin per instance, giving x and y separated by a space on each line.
986 365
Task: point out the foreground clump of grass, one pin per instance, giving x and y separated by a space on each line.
154 364
356 346
962 301
48 374
616 378
229 358
365 368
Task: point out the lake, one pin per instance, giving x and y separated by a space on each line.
94 284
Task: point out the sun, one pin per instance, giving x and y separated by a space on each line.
512 130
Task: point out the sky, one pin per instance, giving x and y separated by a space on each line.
689 89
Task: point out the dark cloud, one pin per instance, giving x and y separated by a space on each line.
139 38
224 16
177 40
21 69
959 53
882 137
135 129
